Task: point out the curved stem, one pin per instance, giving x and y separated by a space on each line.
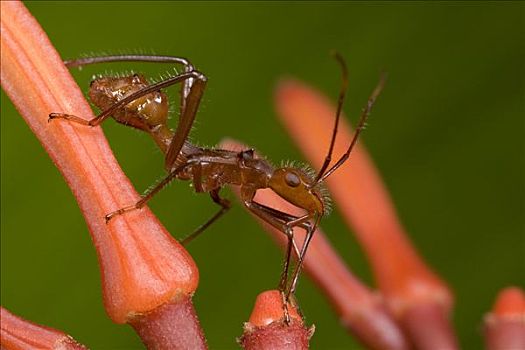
142 266
17 333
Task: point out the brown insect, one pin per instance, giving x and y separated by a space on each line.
132 101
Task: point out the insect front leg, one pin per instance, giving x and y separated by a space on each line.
308 238
279 220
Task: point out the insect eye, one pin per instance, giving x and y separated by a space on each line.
292 180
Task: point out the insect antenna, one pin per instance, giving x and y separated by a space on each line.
342 93
360 126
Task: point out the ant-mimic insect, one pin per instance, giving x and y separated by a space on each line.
132 101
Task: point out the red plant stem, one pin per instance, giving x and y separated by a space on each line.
167 327
359 309
267 330
19 334
402 276
268 308
505 325
142 266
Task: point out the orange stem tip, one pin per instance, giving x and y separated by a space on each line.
142 266
505 325
19 334
267 329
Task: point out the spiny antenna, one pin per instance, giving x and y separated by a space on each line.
342 93
360 126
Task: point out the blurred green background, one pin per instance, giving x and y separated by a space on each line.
447 135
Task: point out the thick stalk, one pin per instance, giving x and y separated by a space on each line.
143 268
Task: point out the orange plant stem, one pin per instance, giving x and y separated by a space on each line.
142 266
19 334
267 330
505 324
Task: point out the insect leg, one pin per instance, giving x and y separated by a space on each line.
148 195
284 223
275 218
225 206
281 221
84 61
278 220
188 112
297 272
289 227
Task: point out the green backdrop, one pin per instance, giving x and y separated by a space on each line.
447 136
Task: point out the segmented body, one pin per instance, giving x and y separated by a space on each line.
132 101
209 169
